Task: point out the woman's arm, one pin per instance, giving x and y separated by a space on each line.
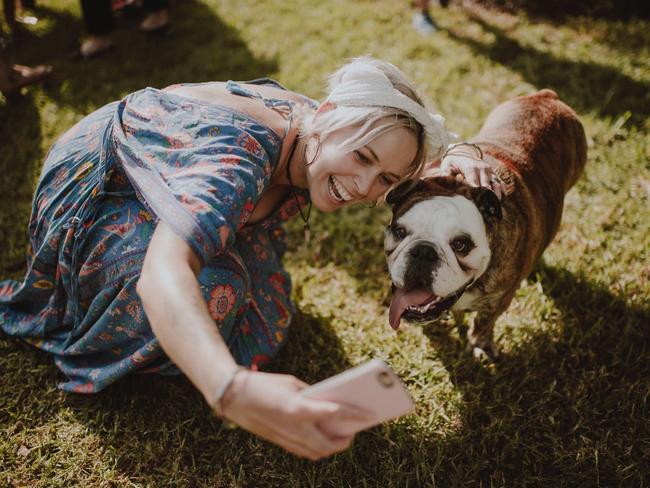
178 315
268 405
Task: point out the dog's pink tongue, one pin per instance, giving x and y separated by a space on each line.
402 300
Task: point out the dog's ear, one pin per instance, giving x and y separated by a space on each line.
488 204
401 191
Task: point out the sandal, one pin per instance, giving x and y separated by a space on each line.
156 23
92 48
27 75
23 76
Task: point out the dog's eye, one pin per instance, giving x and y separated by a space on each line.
399 232
462 245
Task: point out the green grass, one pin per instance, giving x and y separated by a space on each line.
567 405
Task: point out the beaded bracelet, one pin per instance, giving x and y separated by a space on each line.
217 407
464 143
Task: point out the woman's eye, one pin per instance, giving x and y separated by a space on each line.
361 157
385 180
399 232
462 245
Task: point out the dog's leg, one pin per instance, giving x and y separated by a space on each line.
457 316
479 337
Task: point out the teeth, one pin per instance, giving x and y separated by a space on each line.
337 190
342 191
424 308
332 190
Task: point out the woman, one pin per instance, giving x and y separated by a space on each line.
158 217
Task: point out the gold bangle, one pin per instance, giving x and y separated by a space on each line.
216 406
464 143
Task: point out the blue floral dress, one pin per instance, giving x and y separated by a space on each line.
153 156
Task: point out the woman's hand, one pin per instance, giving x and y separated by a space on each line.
270 406
474 171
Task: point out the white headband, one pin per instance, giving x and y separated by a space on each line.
368 87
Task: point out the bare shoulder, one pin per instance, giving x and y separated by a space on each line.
216 92
203 91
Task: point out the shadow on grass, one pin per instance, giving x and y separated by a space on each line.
572 407
568 406
199 47
585 86
561 9
629 38
159 428
204 448
20 133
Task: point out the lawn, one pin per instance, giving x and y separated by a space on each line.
568 404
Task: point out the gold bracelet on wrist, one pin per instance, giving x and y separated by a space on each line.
464 143
217 406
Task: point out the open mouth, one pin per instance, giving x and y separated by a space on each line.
337 191
419 305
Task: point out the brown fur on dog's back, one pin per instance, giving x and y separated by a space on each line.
542 123
538 145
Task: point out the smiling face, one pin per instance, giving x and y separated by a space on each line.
434 251
340 176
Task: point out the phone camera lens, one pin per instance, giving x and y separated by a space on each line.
385 379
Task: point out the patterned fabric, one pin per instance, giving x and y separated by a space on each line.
106 183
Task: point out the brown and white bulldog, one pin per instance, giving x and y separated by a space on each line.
453 246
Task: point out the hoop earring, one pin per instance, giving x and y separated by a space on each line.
308 147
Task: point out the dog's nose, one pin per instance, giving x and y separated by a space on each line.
424 260
424 252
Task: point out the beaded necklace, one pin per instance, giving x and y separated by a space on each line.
305 219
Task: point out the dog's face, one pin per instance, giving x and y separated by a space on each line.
436 245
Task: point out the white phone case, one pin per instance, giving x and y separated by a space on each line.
372 386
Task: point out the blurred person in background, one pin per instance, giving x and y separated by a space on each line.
10 12
156 236
99 23
14 77
422 20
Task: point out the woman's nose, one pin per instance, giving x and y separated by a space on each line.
365 183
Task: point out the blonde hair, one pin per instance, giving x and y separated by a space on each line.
370 121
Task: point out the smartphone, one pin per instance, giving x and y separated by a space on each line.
372 386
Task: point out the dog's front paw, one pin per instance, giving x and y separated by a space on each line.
485 351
